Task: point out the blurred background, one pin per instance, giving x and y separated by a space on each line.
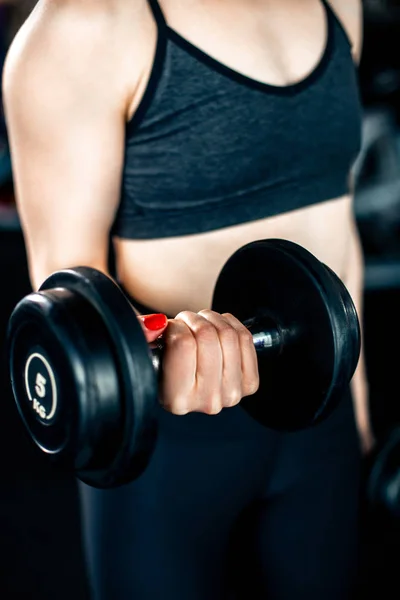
40 550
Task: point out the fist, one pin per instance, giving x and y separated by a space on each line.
209 363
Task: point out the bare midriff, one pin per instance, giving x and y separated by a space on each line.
175 274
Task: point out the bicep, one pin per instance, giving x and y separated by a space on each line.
66 136
66 173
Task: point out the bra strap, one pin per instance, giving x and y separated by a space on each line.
158 13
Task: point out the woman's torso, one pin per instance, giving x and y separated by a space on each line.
277 43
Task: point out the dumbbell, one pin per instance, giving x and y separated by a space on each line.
383 481
86 381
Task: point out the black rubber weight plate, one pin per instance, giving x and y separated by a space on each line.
279 278
39 339
137 377
343 314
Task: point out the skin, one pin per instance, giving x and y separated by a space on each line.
66 120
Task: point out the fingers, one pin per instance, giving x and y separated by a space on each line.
179 368
209 363
231 377
249 363
153 325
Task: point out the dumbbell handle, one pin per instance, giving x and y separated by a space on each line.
267 338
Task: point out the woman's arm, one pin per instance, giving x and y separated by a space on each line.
359 385
66 94
351 14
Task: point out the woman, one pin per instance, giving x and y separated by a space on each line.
184 131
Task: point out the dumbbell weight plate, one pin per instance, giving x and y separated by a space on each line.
317 319
343 314
79 333
52 378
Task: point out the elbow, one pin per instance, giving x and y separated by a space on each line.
40 270
52 249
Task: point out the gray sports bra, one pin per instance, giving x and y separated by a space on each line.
210 148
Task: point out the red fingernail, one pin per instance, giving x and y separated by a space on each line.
154 322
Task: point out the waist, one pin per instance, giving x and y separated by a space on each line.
179 273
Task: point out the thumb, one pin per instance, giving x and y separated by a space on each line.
153 325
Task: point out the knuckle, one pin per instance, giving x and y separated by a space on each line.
213 405
179 412
176 405
213 411
245 336
182 339
229 336
206 312
206 332
187 344
228 315
184 315
232 398
252 386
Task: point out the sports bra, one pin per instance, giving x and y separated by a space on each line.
209 147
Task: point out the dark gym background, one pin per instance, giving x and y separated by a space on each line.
40 552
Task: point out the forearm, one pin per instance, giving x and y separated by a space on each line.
354 281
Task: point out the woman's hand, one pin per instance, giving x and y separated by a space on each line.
209 361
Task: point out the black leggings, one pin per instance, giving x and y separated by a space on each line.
228 509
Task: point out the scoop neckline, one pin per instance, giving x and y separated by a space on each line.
237 76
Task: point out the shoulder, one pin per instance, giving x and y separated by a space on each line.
77 38
350 12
